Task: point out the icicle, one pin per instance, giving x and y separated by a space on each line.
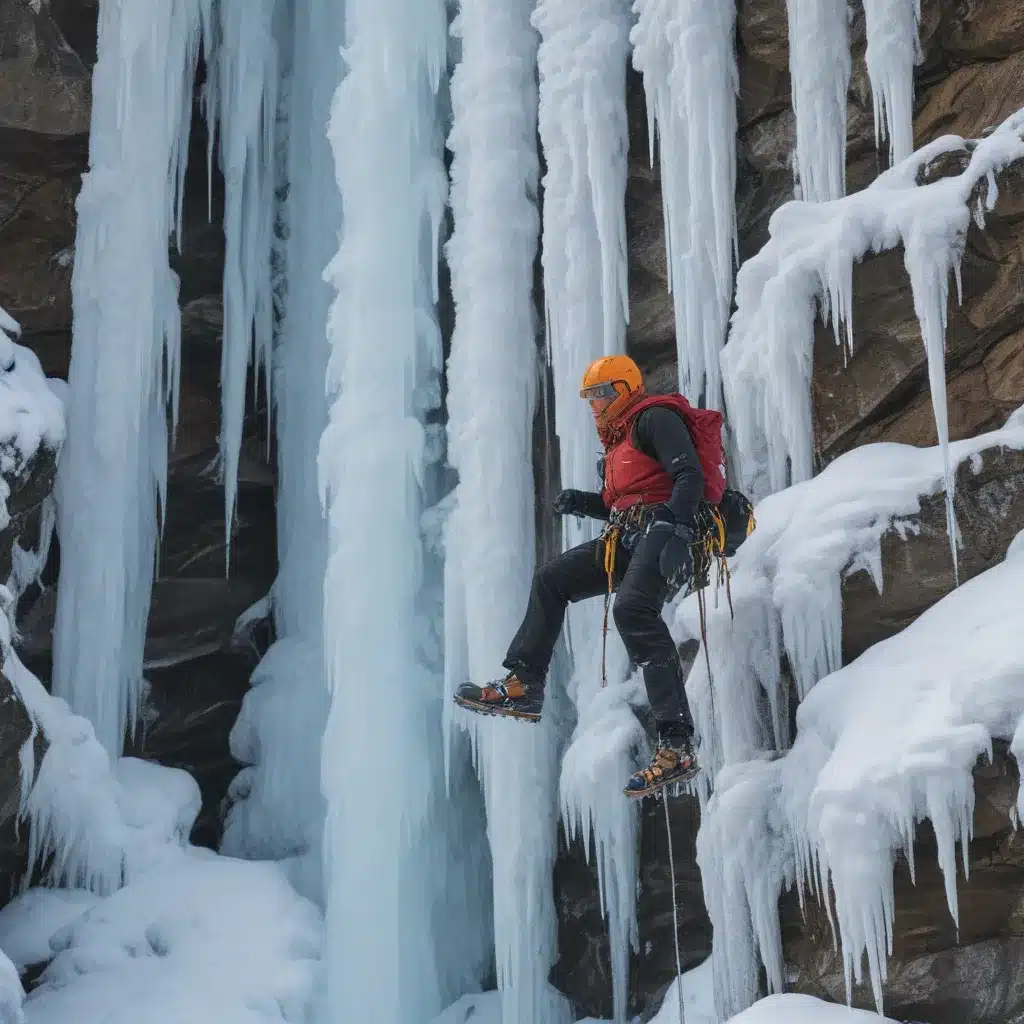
767 364
883 744
124 360
278 811
241 102
687 56
489 544
893 50
819 65
382 379
1017 749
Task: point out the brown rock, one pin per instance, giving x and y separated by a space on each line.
986 30
971 100
918 571
583 969
763 32
1004 372
938 973
44 86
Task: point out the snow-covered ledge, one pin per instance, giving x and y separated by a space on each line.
882 744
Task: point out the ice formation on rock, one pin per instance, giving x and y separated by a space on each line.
125 355
278 810
786 584
489 535
809 260
893 50
582 65
388 951
686 53
885 742
241 100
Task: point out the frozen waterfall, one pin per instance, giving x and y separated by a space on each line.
124 366
489 541
382 759
278 809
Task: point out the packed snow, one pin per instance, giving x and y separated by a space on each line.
687 55
884 743
809 260
125 356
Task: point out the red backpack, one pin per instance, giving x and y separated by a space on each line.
705 426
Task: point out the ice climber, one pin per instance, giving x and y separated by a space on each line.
653 486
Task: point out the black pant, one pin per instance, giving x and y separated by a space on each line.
641 592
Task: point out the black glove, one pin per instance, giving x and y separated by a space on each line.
676 559
571 503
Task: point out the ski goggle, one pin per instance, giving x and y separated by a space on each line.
603 390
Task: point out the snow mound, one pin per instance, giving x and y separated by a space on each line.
882 744
808 261
796 1009
204 938
31 412
94 824
786 586
30 920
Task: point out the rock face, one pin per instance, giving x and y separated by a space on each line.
971 77
938 973
197 676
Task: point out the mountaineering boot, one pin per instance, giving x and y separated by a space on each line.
509 697
674 761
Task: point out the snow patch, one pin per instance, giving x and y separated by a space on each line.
202 938
29 922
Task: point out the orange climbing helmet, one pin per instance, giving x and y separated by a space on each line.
615 377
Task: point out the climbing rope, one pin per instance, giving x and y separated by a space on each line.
675 910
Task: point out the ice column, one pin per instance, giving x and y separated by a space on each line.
490 532
124 364
279 808
687 56
583 127
241 102
582 63
893 50
382 378
819 64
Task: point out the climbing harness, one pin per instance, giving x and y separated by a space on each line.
675 912
632 518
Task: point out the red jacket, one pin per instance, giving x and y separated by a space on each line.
631 477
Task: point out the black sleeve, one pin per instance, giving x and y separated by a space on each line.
594 505
662 434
